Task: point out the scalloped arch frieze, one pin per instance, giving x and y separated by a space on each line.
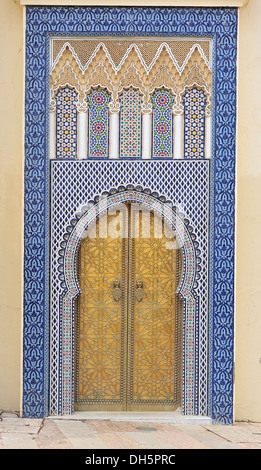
146 71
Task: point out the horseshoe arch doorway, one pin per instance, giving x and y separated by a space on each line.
128 315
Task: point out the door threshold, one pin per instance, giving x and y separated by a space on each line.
152 416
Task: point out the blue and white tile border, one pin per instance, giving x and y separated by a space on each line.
43 22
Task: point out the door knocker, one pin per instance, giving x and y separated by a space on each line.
139 292
116 292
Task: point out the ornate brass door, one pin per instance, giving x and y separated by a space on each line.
127 327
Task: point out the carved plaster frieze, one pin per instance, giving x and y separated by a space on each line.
145 66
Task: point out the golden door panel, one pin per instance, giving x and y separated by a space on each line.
152 361
127 353
100 346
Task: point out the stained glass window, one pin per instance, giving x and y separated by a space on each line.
98 123
66 123
130 123
194 102
162 123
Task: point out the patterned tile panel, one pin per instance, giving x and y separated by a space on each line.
194 102
130 124
45 22
66 123
98 126
162 127
74 185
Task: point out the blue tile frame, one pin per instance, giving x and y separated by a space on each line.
217 23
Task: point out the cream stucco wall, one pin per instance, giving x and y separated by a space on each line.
248 267
248 284
11 197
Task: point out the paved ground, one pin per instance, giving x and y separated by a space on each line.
79 433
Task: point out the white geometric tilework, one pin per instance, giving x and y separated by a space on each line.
185 184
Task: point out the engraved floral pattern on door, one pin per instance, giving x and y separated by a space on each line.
126 327
152 336
101 323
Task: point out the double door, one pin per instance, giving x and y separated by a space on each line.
127 354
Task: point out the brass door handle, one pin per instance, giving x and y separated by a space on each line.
116 289
139 292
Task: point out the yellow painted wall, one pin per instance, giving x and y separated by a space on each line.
248 271
248 285
11 197
172 3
